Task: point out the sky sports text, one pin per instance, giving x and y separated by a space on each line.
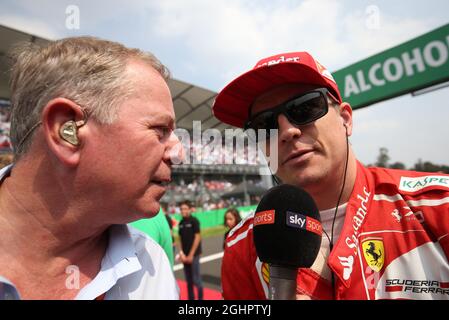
300 221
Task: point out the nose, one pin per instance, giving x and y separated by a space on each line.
287 130
174 152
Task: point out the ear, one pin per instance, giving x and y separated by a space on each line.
56 113
346 116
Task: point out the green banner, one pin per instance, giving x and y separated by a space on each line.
413 65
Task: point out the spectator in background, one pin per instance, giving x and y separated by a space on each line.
190 250
231 219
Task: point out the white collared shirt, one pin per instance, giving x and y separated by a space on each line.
133 267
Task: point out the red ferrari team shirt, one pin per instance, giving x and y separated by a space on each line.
394 244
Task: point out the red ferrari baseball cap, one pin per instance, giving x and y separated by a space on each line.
232 104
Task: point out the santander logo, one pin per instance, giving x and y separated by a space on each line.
277 61
347 263
352 242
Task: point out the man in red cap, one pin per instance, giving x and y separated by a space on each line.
383 233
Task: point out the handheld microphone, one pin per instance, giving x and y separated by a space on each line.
7 290
287 235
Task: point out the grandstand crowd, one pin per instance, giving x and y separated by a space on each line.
5 124
206 194
206 153
5 141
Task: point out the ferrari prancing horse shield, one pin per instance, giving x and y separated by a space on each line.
374 253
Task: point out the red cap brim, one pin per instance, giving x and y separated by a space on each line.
232 104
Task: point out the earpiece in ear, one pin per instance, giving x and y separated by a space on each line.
68 132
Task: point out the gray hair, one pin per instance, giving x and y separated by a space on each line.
86 70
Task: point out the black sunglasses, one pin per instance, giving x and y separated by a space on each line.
299 110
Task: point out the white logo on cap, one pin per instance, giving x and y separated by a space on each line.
277 61
324 72
328 75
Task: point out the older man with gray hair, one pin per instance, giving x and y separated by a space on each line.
92 129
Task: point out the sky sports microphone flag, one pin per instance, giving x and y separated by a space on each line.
287 235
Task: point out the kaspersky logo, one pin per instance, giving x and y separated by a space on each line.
413 184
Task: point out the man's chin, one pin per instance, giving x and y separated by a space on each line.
152 211
145 212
